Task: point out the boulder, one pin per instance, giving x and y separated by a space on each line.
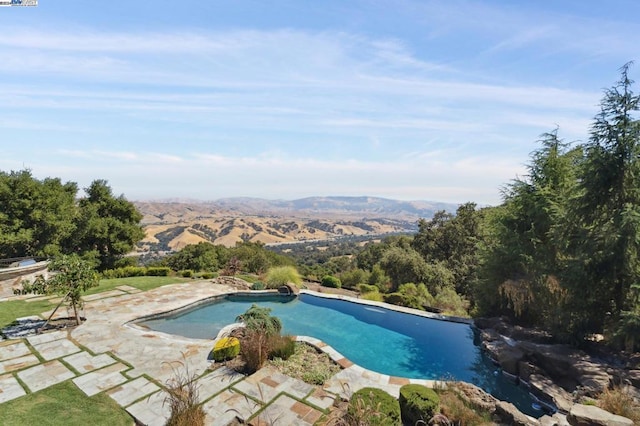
590 415
476 397
556 420
546 390
508 413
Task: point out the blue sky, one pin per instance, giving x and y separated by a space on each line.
413 100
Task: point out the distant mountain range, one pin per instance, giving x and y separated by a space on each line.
172 224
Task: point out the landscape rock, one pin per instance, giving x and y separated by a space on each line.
509 414
556 420
547 391
476 397
590 415
234 282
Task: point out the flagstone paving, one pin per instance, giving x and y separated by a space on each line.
84 362
44 375
100 380
10 388
132 391
107 354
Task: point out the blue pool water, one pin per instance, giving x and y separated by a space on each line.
376 338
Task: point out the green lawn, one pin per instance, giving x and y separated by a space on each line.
141 283
13 309
63 401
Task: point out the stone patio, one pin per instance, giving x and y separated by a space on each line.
130 364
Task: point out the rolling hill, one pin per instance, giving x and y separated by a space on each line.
172 225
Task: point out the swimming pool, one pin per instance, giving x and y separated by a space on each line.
374 337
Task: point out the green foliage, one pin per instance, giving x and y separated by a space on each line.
282 275
37 217
353 277
451 241
374 296
198 257
259 319
43 218
417 402
258 286
128 271
71 276
367 288
206 275
411 296
378 278
378 407
261 330
452 303
404 265
108 227
254 257
225 349
282 347
158 271
331 281
187 273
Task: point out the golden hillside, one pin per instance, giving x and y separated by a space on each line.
171 226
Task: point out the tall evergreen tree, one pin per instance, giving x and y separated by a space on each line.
524 262
608 245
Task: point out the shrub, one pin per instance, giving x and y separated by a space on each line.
367 288
451 302
331 281
258 286
351 279
379 407
226 348
282 275
282 347
260 330
183 399
187 273
619 401
456 411
127 271
255 349
374 296
417 402
158 271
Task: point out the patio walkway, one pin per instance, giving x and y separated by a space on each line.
131 365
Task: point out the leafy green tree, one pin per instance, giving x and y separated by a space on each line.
452 241
36 216
197 257
607 246
108 227
353 277
404 266
70 277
